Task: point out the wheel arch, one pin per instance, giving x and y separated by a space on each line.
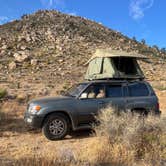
140 109
59 112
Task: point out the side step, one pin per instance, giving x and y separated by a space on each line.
82 127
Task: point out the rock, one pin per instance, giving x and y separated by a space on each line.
2 52
34 62
51 47
60 60
9 53
28 39
122 40
21 97
23 47
43 92
4 47
12 66
20 58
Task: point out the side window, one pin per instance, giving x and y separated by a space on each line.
138 89
114 91
94 91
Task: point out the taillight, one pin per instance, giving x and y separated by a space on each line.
158 106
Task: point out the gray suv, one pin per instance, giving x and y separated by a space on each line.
76 109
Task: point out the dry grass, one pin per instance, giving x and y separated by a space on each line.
120 140
129 140
2 115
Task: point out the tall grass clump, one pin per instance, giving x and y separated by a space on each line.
127 139
2 115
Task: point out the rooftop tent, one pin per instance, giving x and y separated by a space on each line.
107 64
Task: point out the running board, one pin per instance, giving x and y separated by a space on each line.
82 127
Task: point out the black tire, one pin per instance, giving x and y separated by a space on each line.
141 112
56 126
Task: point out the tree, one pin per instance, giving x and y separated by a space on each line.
143 41
163 50
24 16
134 38
156 47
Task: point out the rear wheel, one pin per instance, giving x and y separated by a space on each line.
56 126
140 111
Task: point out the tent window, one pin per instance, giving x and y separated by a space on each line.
125 65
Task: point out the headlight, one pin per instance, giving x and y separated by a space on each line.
33 109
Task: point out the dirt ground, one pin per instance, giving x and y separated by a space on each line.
162 99
18 142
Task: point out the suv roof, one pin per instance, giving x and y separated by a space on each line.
113 81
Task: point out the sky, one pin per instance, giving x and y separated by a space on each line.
143 19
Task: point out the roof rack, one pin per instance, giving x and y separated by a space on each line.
117 79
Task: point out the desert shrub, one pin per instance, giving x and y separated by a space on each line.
40 161
127 139
3 93
1 115
50 159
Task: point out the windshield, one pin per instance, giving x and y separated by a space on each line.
75 90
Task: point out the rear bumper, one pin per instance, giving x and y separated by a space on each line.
33 121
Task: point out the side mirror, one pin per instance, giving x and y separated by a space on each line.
84 96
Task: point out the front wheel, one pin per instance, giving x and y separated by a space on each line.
56 127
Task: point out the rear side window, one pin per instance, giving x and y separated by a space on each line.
114 91
138 89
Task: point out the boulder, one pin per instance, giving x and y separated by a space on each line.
4 47
12 66
22 97
34 62
20 57
2 52
23 47
28 38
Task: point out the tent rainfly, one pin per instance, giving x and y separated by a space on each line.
109 64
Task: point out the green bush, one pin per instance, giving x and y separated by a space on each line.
3 93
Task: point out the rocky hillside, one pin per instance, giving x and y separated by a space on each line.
46 51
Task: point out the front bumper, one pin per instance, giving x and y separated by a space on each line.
33 121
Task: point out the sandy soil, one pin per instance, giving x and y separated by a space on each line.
162 99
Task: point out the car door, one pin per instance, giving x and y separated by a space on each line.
138 96
114 96
89 105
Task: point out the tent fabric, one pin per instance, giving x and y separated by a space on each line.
115 53
100 68
113 67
